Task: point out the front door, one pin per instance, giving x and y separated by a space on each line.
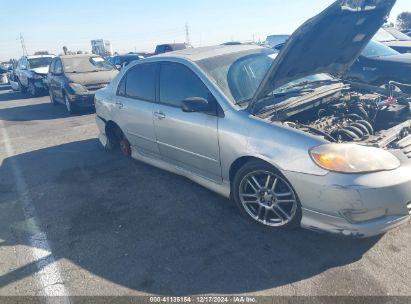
188 140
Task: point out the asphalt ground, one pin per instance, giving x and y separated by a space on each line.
81 221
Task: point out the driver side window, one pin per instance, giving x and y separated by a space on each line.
177 82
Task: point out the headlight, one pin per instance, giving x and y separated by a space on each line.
78 88
352 158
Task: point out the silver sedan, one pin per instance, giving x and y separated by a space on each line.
288 143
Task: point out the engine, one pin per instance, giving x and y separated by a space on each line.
352 116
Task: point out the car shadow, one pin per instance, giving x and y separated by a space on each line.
35 111
156 232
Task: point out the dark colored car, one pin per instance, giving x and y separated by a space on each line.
171 47
379 64
394 39
73 80
120 61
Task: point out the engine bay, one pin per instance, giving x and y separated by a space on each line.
353 116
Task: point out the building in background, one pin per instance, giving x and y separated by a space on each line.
101 47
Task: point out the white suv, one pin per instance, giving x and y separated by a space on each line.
31 72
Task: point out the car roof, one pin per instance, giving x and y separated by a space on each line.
40 56
79 56
201 53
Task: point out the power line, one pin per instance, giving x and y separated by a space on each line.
23 45
187 34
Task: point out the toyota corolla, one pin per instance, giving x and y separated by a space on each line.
290 144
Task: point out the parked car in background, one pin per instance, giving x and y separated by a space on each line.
31 72
121 61
3 74
73 80
394 39
171 47
379 64
291 146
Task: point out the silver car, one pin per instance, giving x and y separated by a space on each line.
288 143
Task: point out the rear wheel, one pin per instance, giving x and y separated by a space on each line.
117 140
125 147
52 98
265 197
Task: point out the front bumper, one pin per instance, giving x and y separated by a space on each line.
323 198
82 100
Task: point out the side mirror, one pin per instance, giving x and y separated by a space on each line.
196 104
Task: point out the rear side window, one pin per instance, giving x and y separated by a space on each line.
139 83
178 82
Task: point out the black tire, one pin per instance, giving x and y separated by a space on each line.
117 140
267 203
70 107
52 98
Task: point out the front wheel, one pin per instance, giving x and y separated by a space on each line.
69 106
265 197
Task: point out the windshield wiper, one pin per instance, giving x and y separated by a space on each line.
308 83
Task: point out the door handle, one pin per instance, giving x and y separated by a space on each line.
159 115
119 104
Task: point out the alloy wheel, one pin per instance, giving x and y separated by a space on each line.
268 198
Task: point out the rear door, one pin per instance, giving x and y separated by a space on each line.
188 140
136 95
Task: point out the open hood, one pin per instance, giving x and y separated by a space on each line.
327 43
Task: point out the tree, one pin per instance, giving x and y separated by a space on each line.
65 49
404 20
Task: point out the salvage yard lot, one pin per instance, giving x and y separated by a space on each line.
119 227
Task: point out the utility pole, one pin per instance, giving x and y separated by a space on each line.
187 34
23 45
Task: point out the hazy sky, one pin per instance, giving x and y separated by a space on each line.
130 24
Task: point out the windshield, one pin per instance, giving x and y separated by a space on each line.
376 49
383 36
239 74
85 64
42 62
301 83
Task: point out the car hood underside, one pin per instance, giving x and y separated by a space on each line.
328 43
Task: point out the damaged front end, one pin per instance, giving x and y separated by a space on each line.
354 114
